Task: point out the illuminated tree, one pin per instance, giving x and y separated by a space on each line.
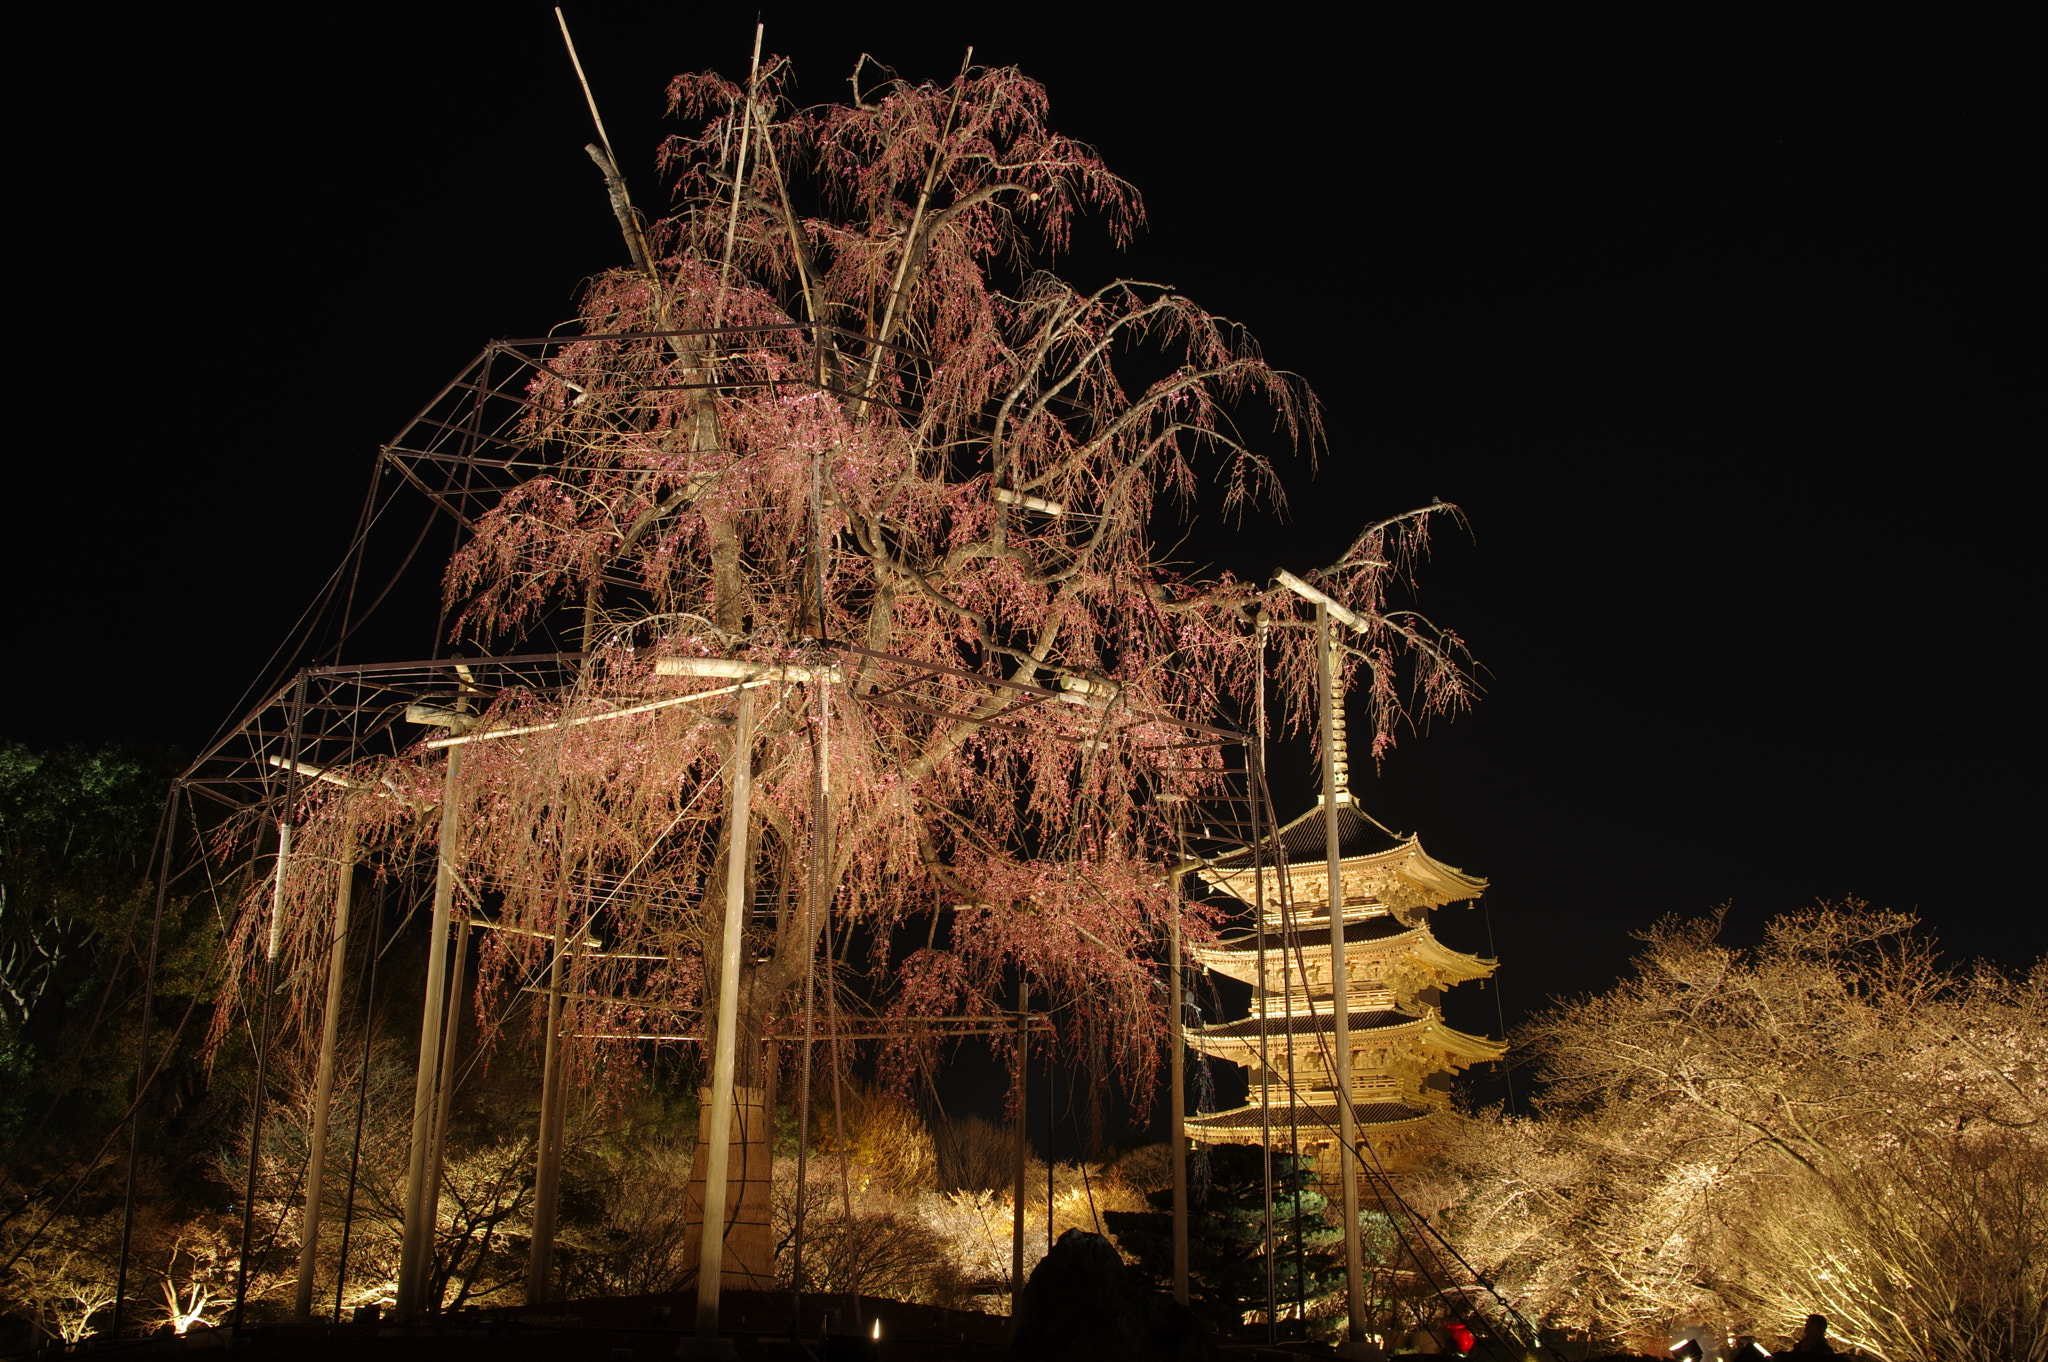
1832 1122
912 453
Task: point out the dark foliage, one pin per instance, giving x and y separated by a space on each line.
1083 1304
1226 1234
76 828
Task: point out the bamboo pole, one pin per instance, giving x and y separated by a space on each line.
323 1083
739 179
1023 1095
711 1254
1340 1004
421 1211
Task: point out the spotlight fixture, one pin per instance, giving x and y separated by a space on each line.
1009 498
1687 1349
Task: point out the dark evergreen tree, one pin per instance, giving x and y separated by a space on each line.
75 830
1226 1234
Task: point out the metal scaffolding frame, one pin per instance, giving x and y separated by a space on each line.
474 441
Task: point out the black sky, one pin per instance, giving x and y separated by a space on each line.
1724 335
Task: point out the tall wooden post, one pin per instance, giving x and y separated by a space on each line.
444 1089
323 1083
547 1173
284 856
1178 1136
1023 1094
355 1153
711 1256
1255 761
1335 795
422 1203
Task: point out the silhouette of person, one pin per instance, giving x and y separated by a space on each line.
1814 1341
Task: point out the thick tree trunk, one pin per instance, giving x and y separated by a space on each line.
749 1260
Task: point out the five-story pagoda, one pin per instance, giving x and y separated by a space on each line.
1403 1055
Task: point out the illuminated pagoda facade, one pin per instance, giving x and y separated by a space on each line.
1404 1055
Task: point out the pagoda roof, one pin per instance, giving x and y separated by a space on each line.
1460 1047
1248 1117
1237 956
1304 839
1381 868
1378 927
1377 1019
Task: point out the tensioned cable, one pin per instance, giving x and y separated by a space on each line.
1500 1011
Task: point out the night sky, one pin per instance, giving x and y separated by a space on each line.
1725 337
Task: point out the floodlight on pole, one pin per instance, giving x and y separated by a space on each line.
1338 612
1085 690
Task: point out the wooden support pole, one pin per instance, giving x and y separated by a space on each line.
1023 1093
1177 1138
1327 674
1255 761
444 1091
821 856
284 856
711 1254
355 1155
1049 1189
422 1209
323 1082
547 1173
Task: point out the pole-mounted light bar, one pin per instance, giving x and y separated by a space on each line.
748 671
311 772
1009 498
1302 589
749 675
